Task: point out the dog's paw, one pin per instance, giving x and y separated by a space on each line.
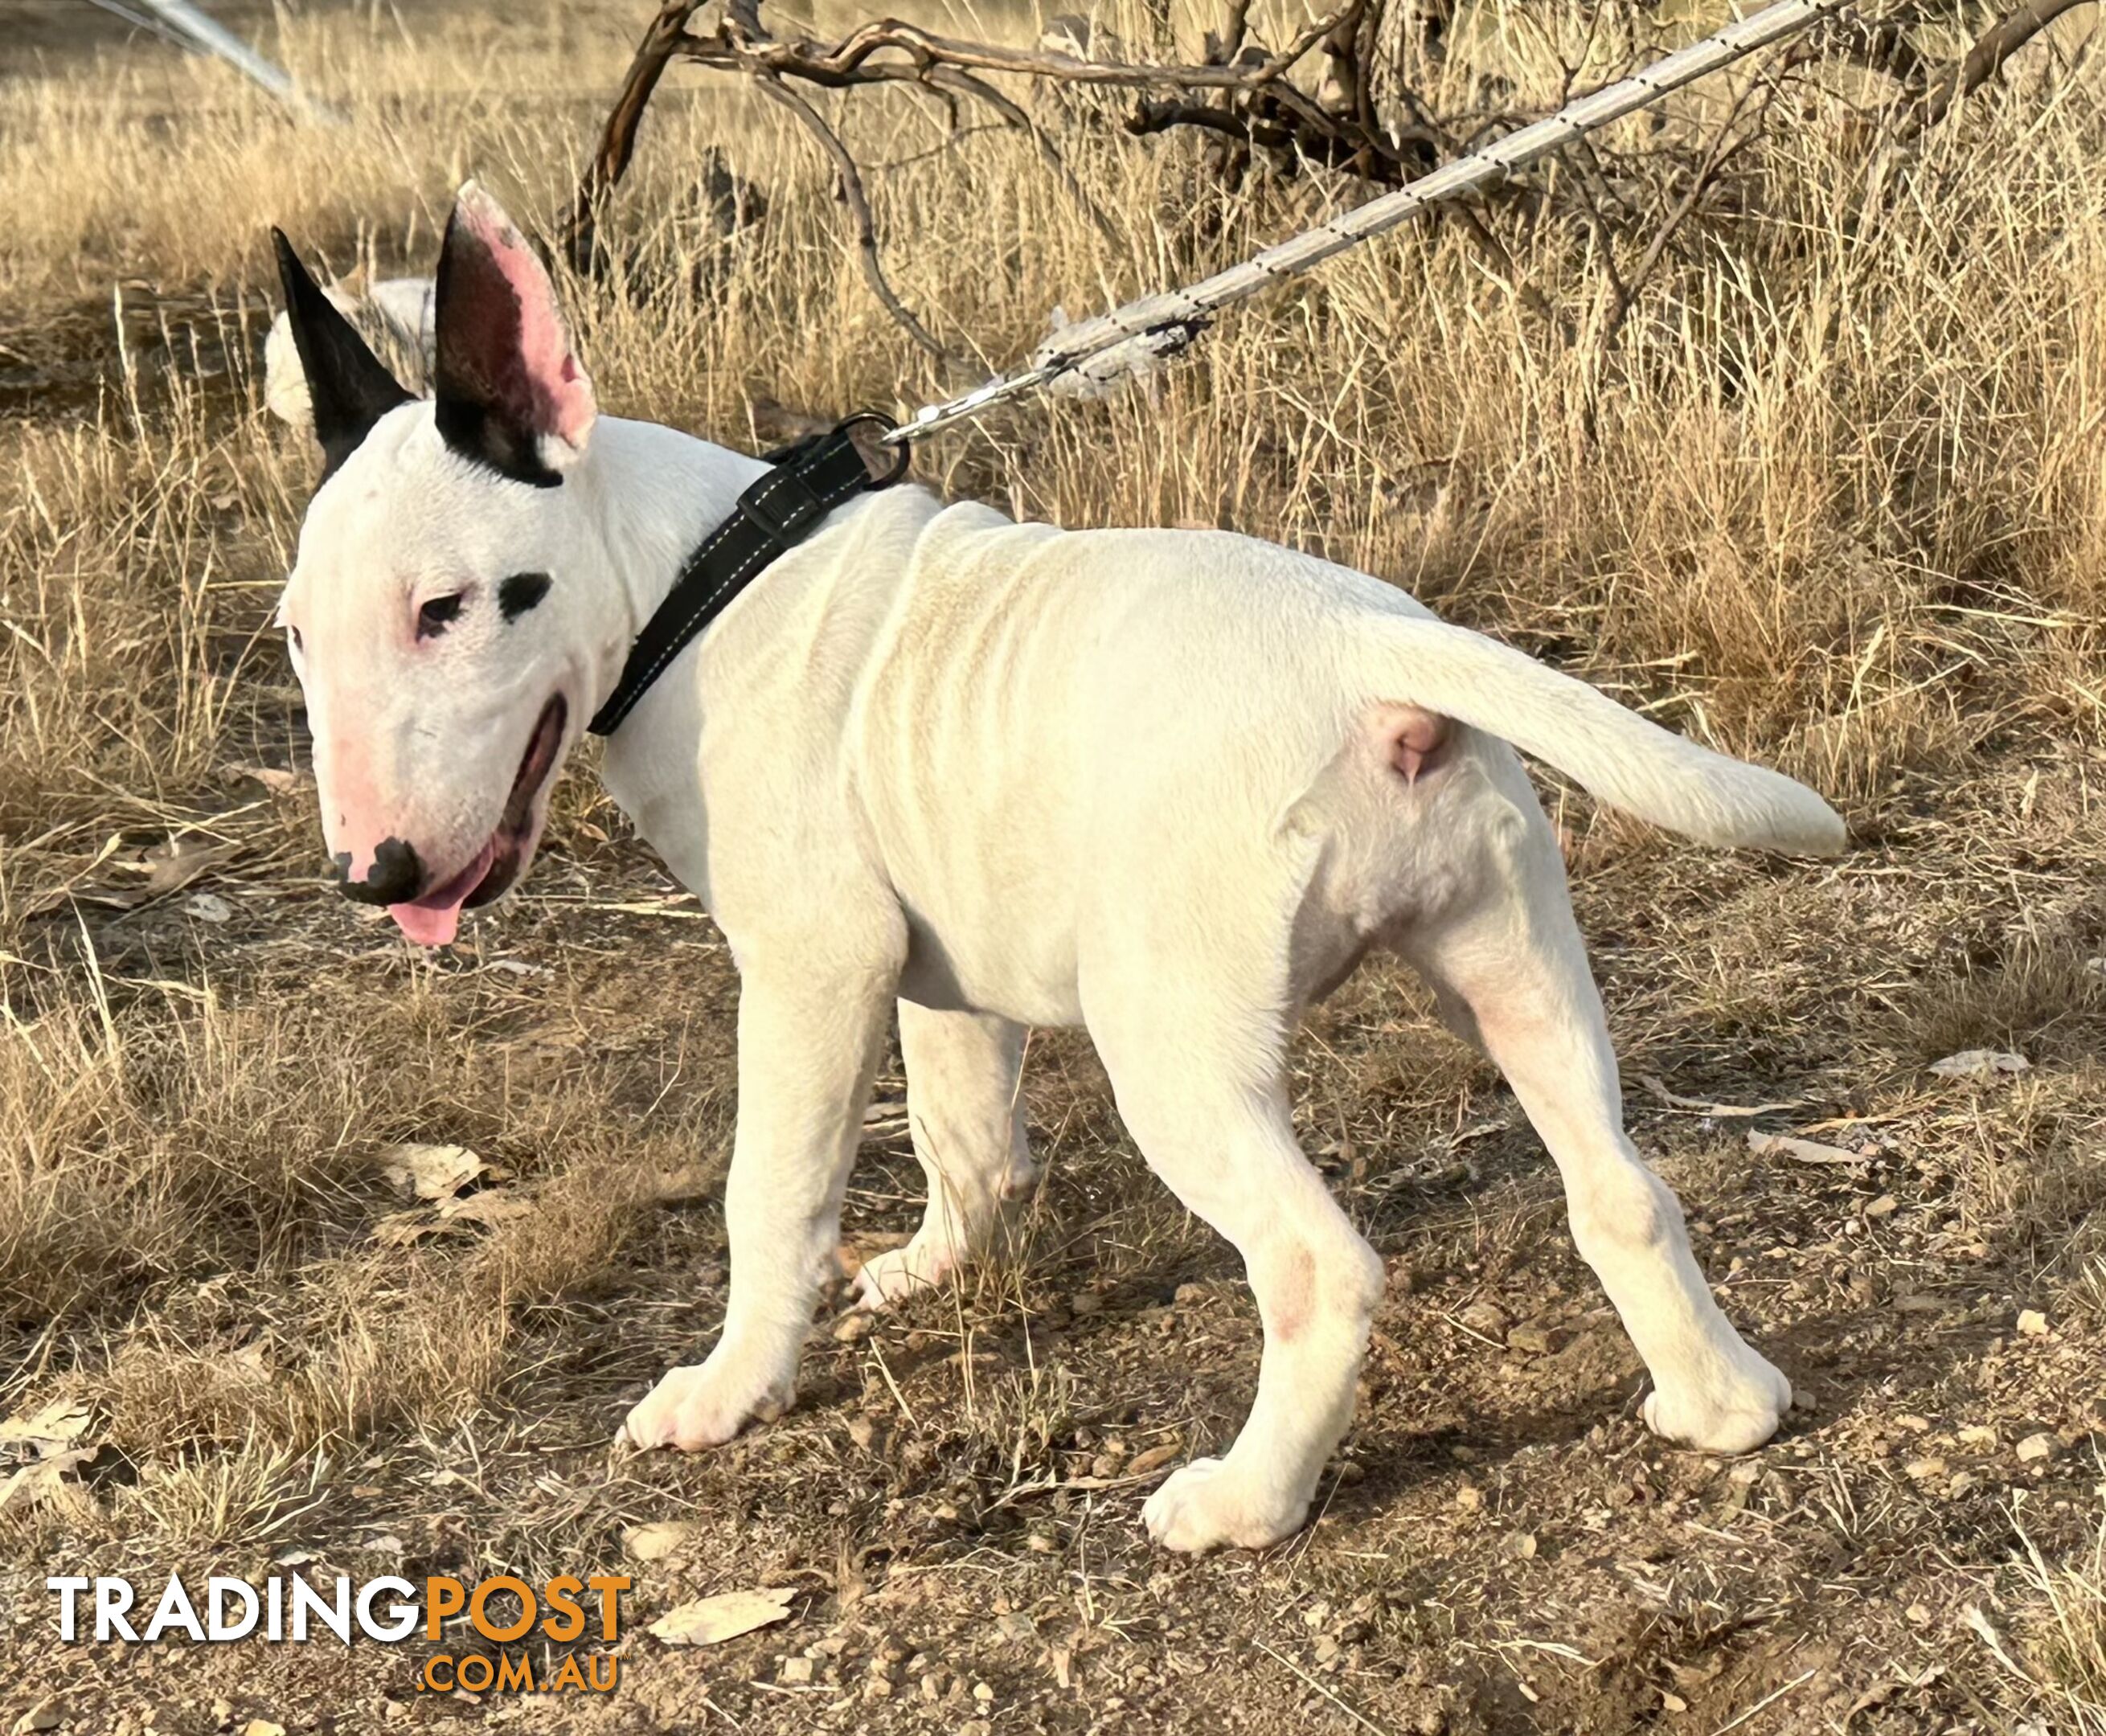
707 1405
1208 1505
1734 1410
890 1277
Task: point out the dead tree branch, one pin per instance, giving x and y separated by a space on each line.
1335 95
1986 59
858 204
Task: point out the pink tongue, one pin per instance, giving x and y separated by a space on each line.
433 920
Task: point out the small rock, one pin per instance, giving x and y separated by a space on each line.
1885 1206
1924 1470
46 1715
795 1669
1535 1340
1469 1497
852 1328
1919 1614
1327 1649
1485 1318
1978 1434
2035 1448
983 1693
655 1542
2032 1323
1963 1483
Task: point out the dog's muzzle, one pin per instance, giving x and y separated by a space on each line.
396 876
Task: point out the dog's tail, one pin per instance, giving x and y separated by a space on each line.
1620 758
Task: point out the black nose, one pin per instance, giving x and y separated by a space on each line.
394 877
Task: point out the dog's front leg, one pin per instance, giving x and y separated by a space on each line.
808 1039
966 1109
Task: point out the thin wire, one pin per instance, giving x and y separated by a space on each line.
1164 324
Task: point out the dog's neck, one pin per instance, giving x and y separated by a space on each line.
654 494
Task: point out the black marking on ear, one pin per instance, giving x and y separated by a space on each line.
477 324
520 592
348 387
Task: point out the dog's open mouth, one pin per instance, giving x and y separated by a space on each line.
433 918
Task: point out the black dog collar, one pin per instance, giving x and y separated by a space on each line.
778 511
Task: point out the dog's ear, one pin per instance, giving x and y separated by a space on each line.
346 385
510 393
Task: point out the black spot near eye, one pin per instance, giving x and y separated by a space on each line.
520 593
433 617
298 643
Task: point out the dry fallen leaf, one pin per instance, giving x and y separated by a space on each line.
655 1541
491 1206
433 1172
40 1480
58 1423
1798 1151
275 779
710 1621
166 867
403 1229
1980 1063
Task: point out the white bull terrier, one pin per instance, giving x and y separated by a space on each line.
1169 785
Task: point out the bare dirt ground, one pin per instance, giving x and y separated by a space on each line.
285 1363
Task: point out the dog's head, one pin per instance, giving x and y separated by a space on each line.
443 641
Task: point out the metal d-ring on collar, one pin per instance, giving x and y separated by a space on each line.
807 481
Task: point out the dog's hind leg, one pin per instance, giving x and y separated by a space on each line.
1194 1043
1510 970
809 1034
965 1111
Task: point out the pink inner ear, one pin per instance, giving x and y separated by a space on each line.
563 395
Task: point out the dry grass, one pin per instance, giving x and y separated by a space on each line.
1840 502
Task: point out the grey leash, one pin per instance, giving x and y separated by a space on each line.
1127 339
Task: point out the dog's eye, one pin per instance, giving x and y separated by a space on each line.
432 619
